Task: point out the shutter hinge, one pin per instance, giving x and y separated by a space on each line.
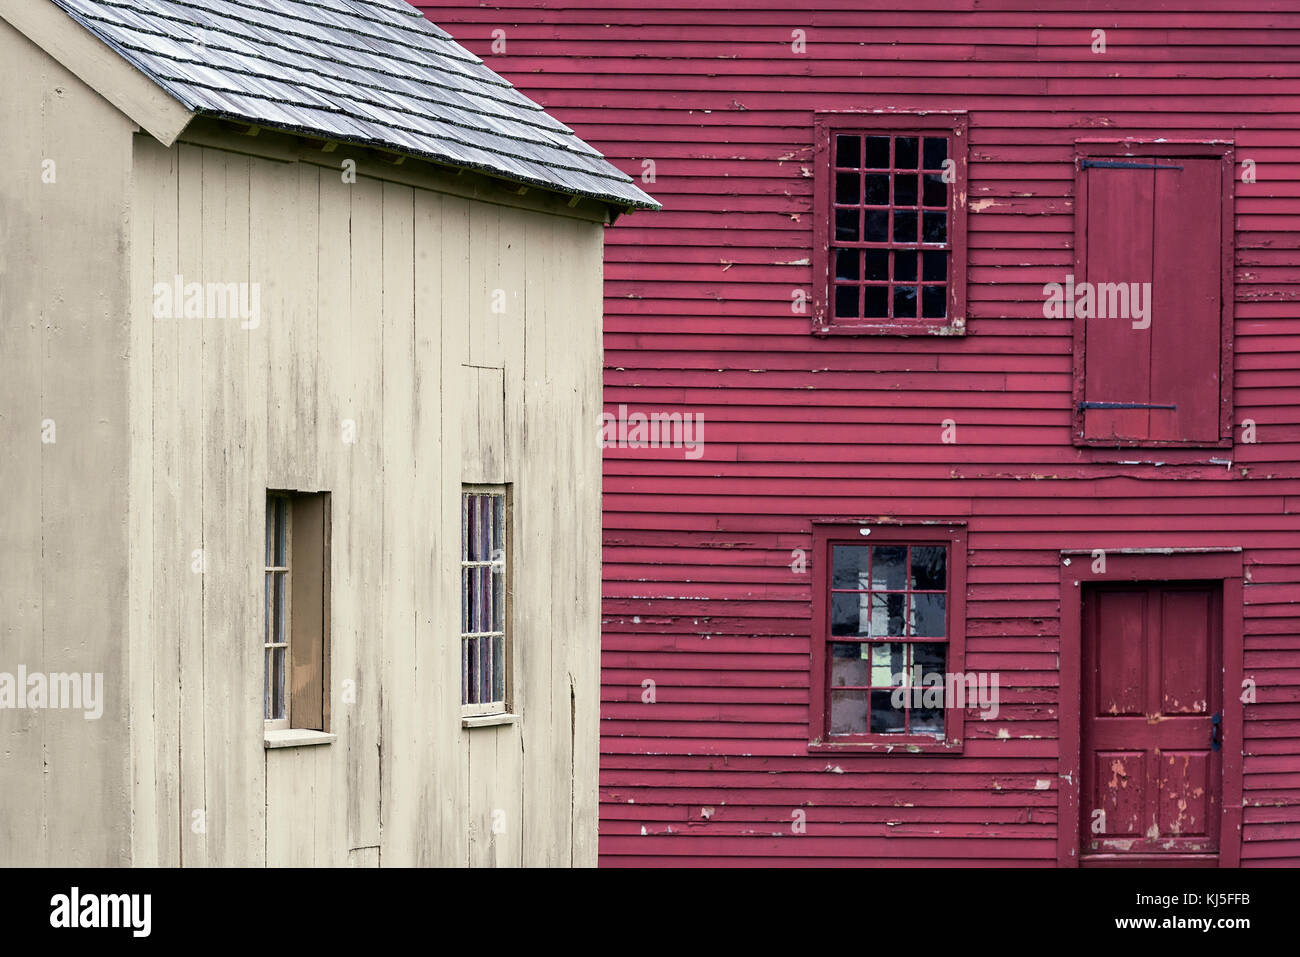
1123 405
1117 164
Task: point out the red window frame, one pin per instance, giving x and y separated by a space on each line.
1117 149
826 126
826 535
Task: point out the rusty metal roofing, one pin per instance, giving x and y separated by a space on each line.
372 72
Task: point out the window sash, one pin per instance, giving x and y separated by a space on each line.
944 654
948 126
484 569
277 614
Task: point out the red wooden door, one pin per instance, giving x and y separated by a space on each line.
1152 698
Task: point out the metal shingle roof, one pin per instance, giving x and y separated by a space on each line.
374 72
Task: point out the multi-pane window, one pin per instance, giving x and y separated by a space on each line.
295 619
891 234
890 633
484 603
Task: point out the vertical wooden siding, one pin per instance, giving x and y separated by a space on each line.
699 594
64 780
375 309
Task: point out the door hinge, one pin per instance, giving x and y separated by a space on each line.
1123 405
1118 164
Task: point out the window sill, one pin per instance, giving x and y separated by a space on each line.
903 746
295 738
487 720
918 327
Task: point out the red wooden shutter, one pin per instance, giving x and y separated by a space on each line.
1154 220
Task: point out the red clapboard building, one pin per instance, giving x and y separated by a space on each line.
987 550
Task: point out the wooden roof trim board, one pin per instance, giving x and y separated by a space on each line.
96 65
371 73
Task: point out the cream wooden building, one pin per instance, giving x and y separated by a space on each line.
300 369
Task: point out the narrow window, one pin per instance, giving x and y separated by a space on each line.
296 612
485 600
888 647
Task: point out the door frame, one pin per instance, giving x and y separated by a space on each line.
1149 565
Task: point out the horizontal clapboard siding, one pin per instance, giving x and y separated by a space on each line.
699 592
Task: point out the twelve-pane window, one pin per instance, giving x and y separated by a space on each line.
888 630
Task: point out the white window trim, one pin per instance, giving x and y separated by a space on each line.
492 713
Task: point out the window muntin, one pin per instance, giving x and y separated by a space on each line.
889 245
484 601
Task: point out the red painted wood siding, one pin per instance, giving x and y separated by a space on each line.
699 593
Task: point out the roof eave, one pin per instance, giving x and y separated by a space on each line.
100 67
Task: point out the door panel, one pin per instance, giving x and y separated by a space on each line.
1152 667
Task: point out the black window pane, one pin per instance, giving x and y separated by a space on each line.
847 263
877 189
846 301
929 572
877 302
905 189
850 613
877 264
885 717
927 721
936 227
905 152
846 189
934 302
905 265
846 225
904 226
877 226
928 658
927 619
905 302
848 150
936 151
877 152
935 191
889 566
934 266
850 567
